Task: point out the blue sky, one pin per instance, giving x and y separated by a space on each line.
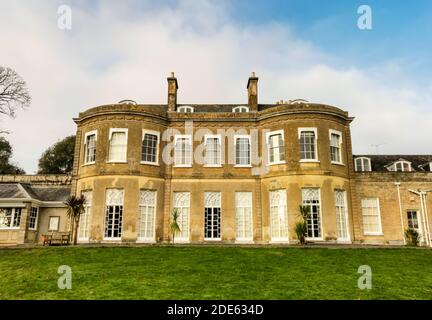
401 29
299 49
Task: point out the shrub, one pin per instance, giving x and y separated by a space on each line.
301 226
412 237
301 231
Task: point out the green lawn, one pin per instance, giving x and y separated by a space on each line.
214 273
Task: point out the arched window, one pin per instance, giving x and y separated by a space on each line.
185 109
240 109
400 166
362 164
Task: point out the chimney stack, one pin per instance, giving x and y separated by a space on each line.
252 87
172 92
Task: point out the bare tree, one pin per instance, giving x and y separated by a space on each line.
13 92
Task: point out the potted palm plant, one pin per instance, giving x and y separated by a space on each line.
75 207
174 226
301 226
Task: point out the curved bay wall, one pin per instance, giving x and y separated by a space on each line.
291 176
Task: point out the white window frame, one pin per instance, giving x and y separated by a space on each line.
115 130
241 206
308 129
114 239
345 213
220 216
392 167
148 239
338 133
88 204
285 213
188 137
157 134
242 136
363 159
213 136
49 223
36 220
240 109
13 214
419 222
87 134
268 135
185 109
320 238
380 231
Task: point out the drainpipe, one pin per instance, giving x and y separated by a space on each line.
419 193
397 184
423 195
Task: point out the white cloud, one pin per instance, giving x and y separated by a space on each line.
118 51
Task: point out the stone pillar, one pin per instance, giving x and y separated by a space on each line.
258 234
22 233
252 87
172 92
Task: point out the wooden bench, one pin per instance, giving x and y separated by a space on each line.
53 238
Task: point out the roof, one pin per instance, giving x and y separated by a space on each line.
12 191
18 190
380 162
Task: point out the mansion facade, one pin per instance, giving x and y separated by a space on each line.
234 174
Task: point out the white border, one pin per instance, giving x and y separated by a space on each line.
111 131
242 136
209 136
235 109
156 133
378 233
315 130
362 158
339 133
271 133
93 132
192 109
148 239
189 137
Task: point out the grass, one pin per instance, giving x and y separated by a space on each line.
214 273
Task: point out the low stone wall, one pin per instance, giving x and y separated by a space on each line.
38 179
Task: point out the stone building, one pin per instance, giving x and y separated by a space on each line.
238 173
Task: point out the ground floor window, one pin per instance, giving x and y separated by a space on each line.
212 215
10 218
54 224
371 216
147 206
114 214
413 221
33 218
311 199
243 201
341 215
278 215
182 204
84 223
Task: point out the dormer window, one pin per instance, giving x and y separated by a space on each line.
185 109
400 166
240 109
362 164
